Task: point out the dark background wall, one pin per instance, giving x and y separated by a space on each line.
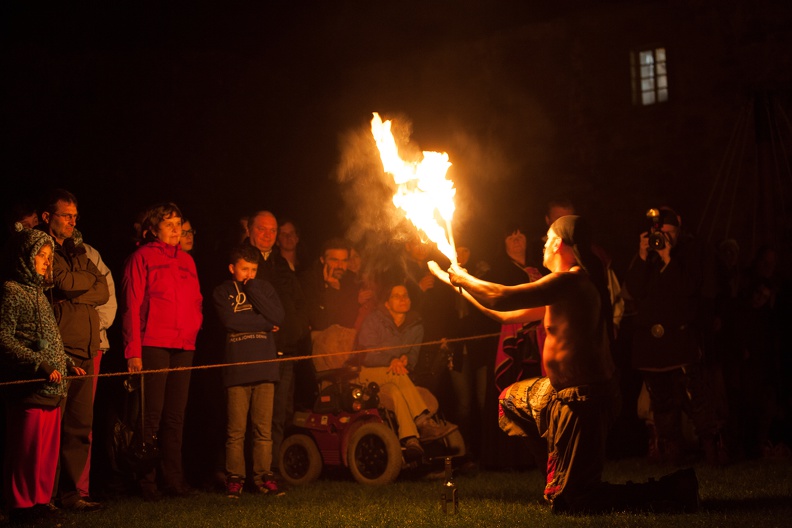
227 110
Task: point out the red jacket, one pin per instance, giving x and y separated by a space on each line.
162 299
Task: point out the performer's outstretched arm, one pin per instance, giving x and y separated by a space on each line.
525 315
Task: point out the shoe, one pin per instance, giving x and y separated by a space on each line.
413 449
150 494
234 487
82 505
271 487
681 490
653 451
38 515
184 490
24 516
431 430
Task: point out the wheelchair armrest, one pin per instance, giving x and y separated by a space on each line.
343 374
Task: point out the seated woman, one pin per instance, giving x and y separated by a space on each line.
393 333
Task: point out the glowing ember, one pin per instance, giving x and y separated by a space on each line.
424 193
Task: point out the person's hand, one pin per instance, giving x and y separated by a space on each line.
275 328
643 245
438 272
397 367
77 371
427 282
328 271
364 295
665 253
134 364
55 377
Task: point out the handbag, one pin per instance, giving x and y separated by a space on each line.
130 450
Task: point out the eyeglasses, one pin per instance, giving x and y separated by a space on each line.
74 217
188 232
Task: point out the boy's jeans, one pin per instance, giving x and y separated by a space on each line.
257 400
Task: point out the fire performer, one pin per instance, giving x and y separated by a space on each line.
575 404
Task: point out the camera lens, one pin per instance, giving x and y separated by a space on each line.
656 240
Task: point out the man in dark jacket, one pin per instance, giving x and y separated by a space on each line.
673 284
330 290
79 287
293 338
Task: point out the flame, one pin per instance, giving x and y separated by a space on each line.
423 191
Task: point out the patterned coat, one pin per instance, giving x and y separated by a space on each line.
30 343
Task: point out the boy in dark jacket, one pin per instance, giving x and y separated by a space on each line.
251 312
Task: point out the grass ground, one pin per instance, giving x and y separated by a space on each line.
756 493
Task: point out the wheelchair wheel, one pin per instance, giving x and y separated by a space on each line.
300 461
374 454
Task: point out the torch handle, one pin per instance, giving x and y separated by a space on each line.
450 231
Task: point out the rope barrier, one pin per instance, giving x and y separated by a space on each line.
259 362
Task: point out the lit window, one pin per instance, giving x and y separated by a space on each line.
649 76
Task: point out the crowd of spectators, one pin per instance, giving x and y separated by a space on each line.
696 340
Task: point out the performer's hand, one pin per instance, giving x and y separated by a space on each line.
457 275
434 267
134 364
55 377
77 371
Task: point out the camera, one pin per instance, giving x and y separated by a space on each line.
657 239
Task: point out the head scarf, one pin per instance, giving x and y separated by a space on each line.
575 232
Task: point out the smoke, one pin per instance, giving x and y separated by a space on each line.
376 226
367 190
484 199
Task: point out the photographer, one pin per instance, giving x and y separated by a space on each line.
672 281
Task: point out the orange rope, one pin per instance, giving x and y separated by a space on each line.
277 360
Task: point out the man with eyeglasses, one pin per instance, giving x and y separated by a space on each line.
79 290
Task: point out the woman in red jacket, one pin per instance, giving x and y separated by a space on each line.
161 319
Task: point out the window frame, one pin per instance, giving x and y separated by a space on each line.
649 75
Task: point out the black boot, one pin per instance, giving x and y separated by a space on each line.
678 492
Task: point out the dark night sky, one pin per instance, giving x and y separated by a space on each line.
223 111
248 106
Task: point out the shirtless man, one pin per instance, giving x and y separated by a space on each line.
574 406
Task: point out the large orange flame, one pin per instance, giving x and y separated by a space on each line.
423 191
